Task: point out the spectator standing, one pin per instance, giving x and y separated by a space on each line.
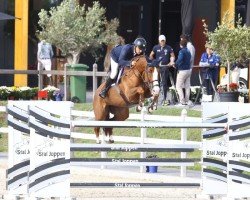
211 62
44 56
190 47
183 73
164 53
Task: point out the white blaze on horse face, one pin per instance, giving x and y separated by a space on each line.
156 88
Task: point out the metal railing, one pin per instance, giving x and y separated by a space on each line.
65 73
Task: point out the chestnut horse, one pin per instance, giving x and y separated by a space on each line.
137 83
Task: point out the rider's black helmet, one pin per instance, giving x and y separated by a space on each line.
141 43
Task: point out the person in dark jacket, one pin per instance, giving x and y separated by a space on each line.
183 66
121 56
165 54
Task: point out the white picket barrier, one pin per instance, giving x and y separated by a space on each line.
226 156
226 153
39 149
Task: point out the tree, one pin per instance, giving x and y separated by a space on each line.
229 42
75 29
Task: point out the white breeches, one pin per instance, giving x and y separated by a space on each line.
44 64
114 69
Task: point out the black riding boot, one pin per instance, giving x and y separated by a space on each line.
108 84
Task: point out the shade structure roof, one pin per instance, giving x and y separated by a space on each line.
4 16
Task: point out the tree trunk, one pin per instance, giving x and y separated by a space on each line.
228 75
107 62
107 58
248 79
73 58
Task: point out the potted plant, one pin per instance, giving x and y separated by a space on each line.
51 90
4 93
25 93
14 93
228 94
230 42
34 93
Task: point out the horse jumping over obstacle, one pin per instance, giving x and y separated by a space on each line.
137 83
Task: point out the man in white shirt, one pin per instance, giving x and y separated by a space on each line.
44 56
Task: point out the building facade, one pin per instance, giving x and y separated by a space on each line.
147 18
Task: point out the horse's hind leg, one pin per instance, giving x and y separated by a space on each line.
120 114
97 133
101 113
109 132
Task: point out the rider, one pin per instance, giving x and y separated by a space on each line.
121 57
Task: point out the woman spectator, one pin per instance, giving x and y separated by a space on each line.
211 62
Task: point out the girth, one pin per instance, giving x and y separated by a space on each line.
119 91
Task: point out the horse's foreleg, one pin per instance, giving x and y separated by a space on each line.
140 91
153 104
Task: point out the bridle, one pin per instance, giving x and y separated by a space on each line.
149 84
144 76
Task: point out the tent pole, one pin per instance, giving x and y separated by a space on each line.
160 8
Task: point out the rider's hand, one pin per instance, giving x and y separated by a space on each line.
133 63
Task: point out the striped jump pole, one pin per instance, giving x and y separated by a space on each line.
145 124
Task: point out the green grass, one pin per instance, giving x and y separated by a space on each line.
3 123
192 134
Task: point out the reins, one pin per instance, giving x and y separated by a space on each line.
144 76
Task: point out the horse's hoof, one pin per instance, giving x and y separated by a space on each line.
111 141
150 110
138 109
98 141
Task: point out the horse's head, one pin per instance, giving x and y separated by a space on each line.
149 75
152 78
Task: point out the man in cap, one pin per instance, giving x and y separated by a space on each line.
165 54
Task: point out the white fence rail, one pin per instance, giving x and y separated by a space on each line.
65 73
164 121
230 153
